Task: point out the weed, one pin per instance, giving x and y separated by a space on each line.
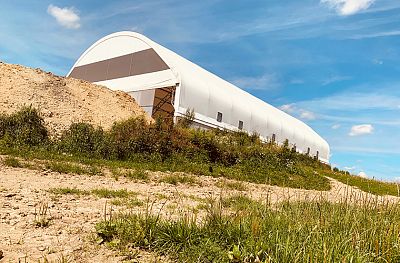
136 175
61 167
235 185
175 179
106 193
71 168
68 191
12 162
42 218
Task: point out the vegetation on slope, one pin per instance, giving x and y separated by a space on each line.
366 184
136 144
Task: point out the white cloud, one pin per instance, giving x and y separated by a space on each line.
348 7
67 17
307 115
336 126
362 174
362 129
301 113
289 108
349 168
264 82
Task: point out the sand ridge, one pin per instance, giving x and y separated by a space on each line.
62 100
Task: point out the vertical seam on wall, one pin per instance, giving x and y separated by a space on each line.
131 65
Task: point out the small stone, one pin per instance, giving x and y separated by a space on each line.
41 248
10 195
1 254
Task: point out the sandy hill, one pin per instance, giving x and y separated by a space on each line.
61 100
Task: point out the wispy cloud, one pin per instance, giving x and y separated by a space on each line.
264 82
289 108
377 34
363 129
67 17
336 126
334 79
307 115
351 101
301 113
348 7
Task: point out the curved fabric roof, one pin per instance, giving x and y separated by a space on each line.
129 61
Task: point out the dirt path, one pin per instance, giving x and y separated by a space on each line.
70 234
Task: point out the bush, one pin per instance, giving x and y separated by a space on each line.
23 128
83 138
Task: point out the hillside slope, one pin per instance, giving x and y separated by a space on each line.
62 101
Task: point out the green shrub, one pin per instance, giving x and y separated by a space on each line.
83 138
23 128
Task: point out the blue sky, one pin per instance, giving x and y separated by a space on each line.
332 63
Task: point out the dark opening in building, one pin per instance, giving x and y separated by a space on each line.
219 116
240 125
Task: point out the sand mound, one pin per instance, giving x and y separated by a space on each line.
63 101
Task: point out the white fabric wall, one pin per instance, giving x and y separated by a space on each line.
206 93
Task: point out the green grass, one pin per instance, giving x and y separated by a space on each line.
255 232
71 168
100 192
367 185
136 175
106 193
176 179
12 162
239 186
237 202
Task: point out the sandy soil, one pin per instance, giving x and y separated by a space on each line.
70 234
62 101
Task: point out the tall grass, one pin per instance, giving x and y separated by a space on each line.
242 230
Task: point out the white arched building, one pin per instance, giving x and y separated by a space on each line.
164 83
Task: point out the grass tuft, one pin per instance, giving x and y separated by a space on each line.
42 219
236 185
106 193
176 179
71 168
12 162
